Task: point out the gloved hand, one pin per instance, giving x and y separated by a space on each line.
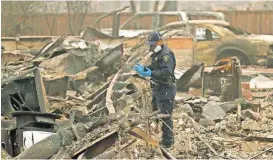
146 73
138 68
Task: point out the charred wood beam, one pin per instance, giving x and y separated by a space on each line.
75 97
56 99
101 89
94 114
251 138
50 47
109 101
97 99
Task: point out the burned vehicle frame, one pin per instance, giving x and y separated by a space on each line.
213 40
137 24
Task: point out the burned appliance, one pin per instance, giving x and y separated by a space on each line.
223 79
23 92
23 98
30 128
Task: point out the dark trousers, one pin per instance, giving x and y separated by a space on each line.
166 107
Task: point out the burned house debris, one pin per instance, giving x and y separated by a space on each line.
79 97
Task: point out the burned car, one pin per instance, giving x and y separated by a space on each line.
211 40
137 23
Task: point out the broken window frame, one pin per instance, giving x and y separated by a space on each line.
213 33
165 16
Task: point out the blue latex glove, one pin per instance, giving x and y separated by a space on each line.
147 73
138 68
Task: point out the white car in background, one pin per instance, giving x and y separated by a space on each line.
137 24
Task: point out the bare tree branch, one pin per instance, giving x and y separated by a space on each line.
77 12
16 16
52 9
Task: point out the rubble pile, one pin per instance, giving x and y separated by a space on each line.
82 100
219 133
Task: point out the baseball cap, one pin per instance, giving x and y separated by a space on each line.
153 37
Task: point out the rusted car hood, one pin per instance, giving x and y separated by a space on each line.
259 38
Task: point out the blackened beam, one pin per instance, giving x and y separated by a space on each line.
50 47
101 89
40 88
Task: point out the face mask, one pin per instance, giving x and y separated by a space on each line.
157 49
